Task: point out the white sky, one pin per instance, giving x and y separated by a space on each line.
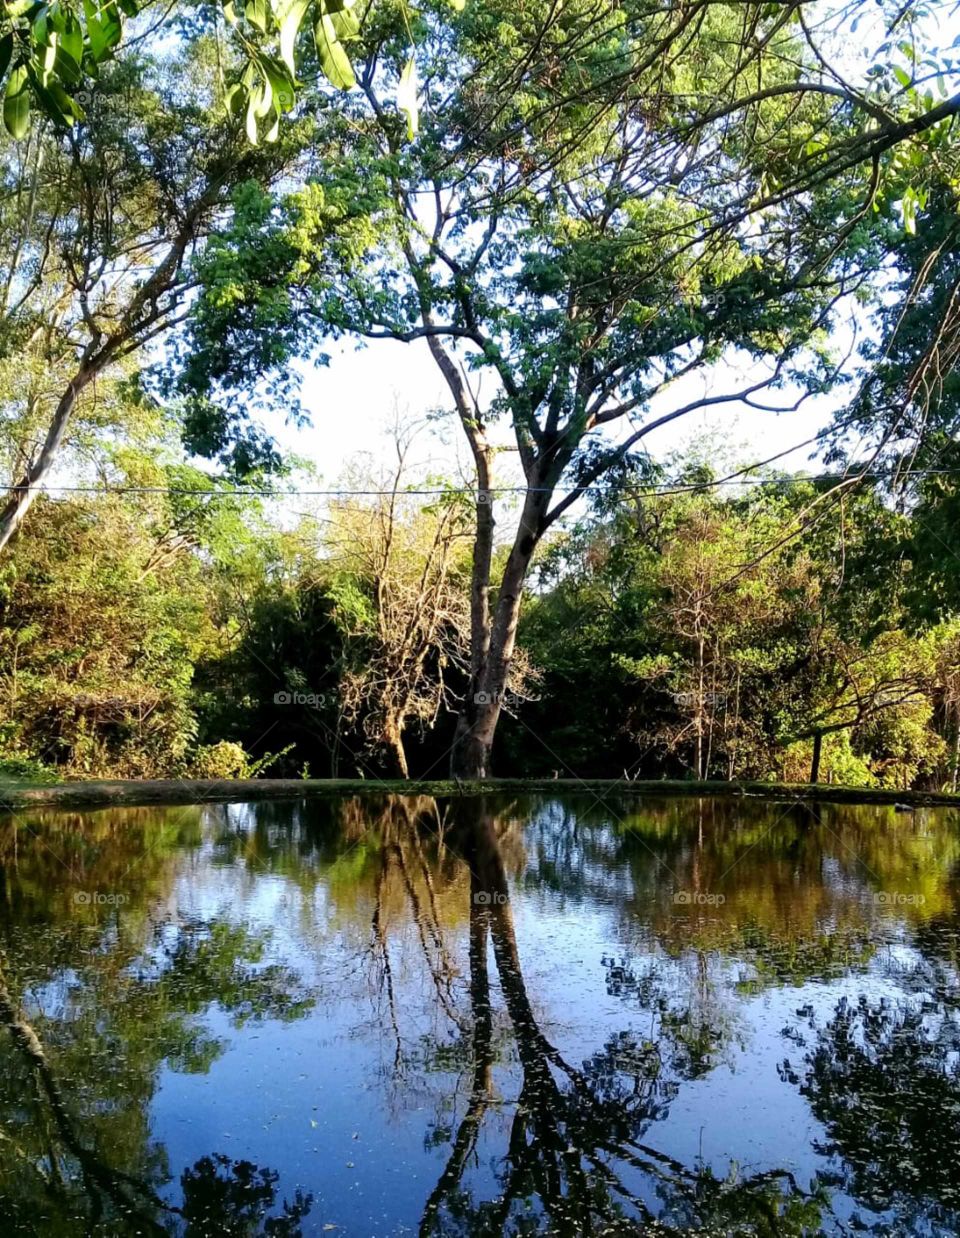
354 400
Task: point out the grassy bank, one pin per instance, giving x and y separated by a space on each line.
15 796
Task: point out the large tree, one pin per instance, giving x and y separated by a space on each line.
98 225
602 201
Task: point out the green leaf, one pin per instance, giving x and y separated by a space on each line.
457 5
71 39
103 27
49 55
235 99
407 97
290 15
281 83
6 51
229 12
256 12
345 23
262 96
16 103
902 76
252 117
333 59
130 7
908 209
70 110
66 67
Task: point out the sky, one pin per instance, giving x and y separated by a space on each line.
354 400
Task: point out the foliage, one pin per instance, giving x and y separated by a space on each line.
727 631
622 197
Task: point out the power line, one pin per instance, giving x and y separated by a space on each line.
666 488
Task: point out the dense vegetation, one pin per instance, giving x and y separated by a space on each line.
675 630
592 206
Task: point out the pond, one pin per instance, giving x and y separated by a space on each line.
539 1015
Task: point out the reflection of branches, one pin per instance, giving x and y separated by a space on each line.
480 1092
380 943
219 1195
883 1079
440 967
399 826
98 1177
574 1131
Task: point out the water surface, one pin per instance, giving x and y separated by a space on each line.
544 1015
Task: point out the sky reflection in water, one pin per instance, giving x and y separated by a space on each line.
540 1015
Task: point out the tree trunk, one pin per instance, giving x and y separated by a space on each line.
470 757
24 492
396 757
815 763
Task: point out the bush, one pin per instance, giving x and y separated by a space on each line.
222 760
229 760
23 769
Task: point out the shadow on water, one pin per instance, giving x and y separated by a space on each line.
547 1015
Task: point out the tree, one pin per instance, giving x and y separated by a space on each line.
101 223
399 582
725 630
611 202
98 639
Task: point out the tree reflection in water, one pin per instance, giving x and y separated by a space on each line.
575 1133
125 997
407 901
883 1077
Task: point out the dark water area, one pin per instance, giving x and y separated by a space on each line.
543 1015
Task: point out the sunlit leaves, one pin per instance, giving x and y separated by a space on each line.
912 200
103 27
333 57
16 103
407 97
290 15
267 86
52 47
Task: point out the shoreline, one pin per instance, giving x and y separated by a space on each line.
194 791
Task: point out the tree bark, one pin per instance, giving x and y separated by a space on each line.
24 492
815 763
470 757
393 741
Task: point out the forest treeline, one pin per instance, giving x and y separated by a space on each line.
595 219
680 628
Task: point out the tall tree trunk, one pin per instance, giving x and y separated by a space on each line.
473 744
815 763
393 741
466 758
24 492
